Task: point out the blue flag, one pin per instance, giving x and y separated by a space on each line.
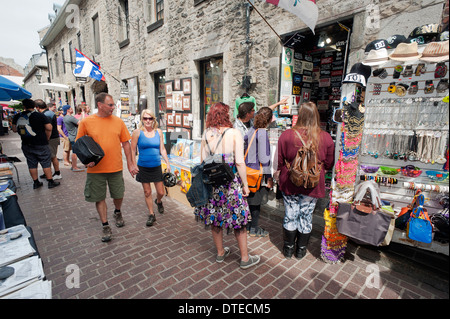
85 67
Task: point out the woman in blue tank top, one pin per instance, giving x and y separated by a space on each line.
148 140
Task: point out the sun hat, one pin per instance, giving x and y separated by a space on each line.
376 57
436 52
359 73
406 52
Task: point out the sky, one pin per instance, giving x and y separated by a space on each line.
20 21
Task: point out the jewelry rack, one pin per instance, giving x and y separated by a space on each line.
408 127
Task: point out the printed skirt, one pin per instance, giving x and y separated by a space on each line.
227 208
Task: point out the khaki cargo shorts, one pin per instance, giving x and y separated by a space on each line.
96 183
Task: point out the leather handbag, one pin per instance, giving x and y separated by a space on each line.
216 171
254 176
88 150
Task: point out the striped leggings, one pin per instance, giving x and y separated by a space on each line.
298 212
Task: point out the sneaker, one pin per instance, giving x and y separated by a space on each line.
151 219
119 220
77 169
107 233
56 176
37 185
220 259
252 260
53 184
160 207
258 232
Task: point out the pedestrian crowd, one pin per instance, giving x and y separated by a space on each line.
243 148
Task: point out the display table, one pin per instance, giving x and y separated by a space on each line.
20 261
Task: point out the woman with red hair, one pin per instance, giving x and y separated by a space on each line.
228 208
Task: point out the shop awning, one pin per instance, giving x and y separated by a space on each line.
55 86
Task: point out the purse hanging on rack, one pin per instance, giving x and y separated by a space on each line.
419 226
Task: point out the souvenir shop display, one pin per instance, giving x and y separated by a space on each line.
404 147
394 134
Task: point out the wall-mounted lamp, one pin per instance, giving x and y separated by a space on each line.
38 75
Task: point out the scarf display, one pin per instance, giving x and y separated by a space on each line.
334 244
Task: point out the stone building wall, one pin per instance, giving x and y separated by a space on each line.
192 33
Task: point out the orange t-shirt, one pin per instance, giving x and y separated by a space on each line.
109 132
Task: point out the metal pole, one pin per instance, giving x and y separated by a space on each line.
265 20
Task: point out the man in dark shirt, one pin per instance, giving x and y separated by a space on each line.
35 130
54 137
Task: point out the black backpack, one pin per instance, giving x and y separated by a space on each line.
216 171
88 150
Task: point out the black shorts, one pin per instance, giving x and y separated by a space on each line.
149 174
36 154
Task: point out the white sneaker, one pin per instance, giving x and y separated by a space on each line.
56 177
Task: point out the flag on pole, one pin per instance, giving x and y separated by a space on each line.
86 67
306 10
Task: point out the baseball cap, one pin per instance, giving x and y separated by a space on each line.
65 108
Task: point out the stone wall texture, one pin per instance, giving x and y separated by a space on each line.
192 33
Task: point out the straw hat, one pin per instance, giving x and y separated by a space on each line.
406 52
376 57
436 52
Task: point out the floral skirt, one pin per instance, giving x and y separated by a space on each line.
227 208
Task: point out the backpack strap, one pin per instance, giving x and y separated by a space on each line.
251 141
288 165
220 140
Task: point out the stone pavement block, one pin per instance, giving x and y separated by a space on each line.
175 258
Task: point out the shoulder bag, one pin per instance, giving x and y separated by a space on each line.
254 176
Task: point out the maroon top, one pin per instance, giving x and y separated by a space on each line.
288 144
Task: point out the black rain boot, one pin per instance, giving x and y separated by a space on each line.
302 242
289 242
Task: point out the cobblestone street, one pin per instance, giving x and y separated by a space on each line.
175 259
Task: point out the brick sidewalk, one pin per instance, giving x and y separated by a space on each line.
176 257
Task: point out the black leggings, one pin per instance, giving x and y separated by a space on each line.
254 211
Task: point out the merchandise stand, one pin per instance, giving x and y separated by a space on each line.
407 127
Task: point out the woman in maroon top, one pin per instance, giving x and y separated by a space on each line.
300 202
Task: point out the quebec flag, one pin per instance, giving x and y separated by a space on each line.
85 67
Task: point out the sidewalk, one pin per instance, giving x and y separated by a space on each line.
175 259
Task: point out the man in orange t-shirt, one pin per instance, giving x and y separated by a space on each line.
112 135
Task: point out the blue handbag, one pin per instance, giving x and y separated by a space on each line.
419 226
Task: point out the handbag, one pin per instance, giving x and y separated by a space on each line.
254 176
364 220
419 226
405 213
216 171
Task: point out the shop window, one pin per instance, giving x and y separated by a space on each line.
96 31
160 99
211 86
123 23
154 14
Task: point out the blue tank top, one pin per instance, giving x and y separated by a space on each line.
149 150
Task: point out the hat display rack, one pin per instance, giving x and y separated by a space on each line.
405 138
